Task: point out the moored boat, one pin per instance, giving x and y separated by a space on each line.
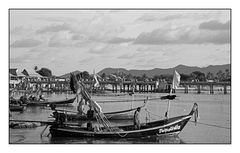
168 126
115 115
40 103
118 115
16 108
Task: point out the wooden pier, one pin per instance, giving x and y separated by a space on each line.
135 86
211 86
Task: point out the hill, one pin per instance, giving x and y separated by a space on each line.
68 74
158 71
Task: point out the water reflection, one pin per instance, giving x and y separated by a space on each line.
144 140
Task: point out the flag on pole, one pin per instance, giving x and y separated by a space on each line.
96 82
176 80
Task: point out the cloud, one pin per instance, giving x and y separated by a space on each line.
160 36
99 28
105 49
172 17
126 56
147 18
98 49
81 37
85 60
20 59
55 28
160 17
57 19
61 39
222 37
20 30
24 58
25 43
119 40
183 35
215 25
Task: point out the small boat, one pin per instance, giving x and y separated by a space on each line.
15 105
20 125
16 108
168 126
118 115
40 103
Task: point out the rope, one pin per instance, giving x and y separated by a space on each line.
211 125
153 114
126 100
122 135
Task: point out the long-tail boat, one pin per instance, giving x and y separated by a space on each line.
103 129
168 126
46 102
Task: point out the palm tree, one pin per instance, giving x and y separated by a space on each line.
43 71
210 76
144 77
220 75
228 74
197 75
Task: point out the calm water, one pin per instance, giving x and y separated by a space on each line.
214 123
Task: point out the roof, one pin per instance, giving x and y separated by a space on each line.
13 71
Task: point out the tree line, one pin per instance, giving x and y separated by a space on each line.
220 76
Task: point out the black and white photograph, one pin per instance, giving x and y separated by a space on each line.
119 76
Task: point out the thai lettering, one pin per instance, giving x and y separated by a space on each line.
172 128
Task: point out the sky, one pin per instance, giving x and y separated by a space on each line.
88 40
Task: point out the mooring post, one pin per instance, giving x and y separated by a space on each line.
211 89
225 89
112 88
120 87
199 89
186 89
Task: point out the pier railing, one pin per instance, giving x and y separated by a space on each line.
135 86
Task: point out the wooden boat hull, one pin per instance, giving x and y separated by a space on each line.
170 126
16 108
41 103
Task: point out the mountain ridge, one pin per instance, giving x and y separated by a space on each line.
183 69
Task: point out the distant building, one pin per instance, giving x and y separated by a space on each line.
32 81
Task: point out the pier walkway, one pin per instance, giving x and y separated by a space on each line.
137 86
